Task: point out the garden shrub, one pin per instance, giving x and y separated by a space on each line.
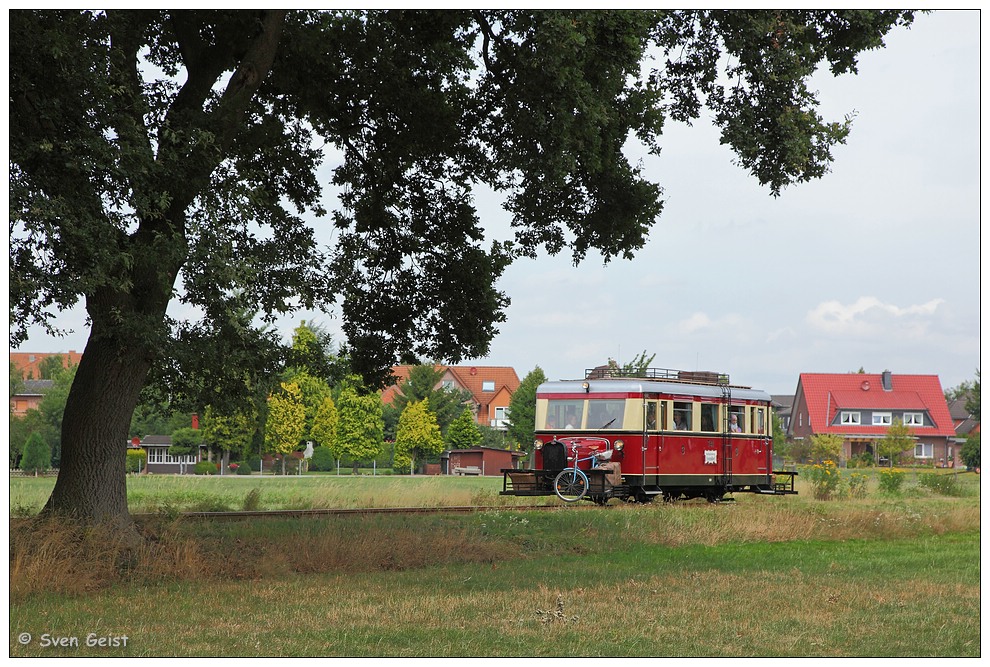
243 468
205 468
136 459
322 460
944 485
891 480
825 479
857 485
862 460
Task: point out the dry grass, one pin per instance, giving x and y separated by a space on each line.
48 556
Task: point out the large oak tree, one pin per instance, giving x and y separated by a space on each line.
164 155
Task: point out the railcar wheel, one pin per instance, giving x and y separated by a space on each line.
570 485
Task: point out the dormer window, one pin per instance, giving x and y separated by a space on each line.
849 419
914 419
882 419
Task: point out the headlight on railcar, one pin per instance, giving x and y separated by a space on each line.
538 444
619 445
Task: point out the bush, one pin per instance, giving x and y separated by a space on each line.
891 480
205 468
136 459
970 452
825 479
322 460
862 460
944 485
857 485
243 468
37 455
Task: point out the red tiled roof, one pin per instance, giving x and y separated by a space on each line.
29 363
826 393
872 400
472 378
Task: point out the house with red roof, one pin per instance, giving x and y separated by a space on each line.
491 389
862 406
28 364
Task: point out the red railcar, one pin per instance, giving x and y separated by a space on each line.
673 434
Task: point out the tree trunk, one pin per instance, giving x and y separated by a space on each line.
92 480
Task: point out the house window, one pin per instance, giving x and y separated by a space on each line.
914 419
881 419
923 450
488 385
447 385
849 418
155 455
501 413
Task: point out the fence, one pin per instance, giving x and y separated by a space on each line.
17 472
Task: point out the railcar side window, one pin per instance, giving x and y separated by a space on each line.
564 414
606 413
683 417
758 423
709 417
738 425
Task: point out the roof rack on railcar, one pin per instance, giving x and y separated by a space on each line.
659 374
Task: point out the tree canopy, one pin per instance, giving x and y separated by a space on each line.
522 409
192 155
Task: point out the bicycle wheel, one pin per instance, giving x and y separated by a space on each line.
570 485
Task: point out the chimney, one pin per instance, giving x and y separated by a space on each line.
195 421
888 381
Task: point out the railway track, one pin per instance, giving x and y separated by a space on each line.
366 511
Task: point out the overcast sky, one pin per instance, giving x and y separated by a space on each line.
876 265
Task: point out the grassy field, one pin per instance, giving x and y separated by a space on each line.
880 576
151 494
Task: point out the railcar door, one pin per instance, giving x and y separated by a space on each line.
760 423
652 422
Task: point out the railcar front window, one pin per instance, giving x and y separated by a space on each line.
604 414
564 414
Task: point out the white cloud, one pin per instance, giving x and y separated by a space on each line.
695 323
869 315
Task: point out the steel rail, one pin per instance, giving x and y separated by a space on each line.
359 511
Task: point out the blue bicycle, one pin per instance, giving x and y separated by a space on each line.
571 484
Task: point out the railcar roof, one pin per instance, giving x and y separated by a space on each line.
634 386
